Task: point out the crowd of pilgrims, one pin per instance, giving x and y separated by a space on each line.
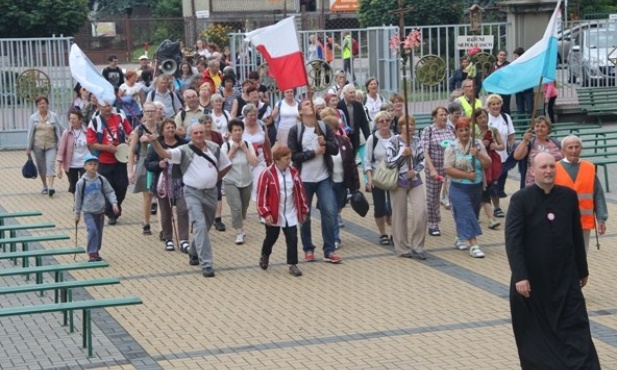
443 166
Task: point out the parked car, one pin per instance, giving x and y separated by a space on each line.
589 56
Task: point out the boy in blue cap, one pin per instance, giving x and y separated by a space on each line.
91 192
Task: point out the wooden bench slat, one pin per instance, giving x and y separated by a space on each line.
41 253
60 285
34 238
42 225
52 268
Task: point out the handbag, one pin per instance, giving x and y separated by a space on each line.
29 169
386 178
359 203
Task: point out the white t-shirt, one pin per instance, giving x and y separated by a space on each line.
373 105
313 170
80 149
337 169
505 129
287 118
240 173
201 174
220 122
287 204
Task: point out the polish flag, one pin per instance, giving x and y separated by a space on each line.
279 46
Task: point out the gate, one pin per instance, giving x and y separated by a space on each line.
28 68
438 45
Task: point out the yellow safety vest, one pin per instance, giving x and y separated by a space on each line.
467 108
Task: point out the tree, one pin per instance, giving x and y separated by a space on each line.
42 18
115 7
375 13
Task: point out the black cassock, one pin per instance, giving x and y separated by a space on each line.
544 243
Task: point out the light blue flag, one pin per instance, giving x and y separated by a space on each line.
84 72
539 62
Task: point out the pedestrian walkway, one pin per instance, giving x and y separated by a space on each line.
373 311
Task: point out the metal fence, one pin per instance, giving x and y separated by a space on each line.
46 67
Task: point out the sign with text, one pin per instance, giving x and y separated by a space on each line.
470 41
344 5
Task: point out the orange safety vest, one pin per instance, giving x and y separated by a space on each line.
584 189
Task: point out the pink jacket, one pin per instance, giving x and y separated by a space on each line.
550 91
65 148
268 194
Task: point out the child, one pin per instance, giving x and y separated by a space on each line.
281 201
91 191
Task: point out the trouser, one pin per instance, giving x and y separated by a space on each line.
348 68
401 199
94 225
119 181
73 175
45 160
202 205
586 237
291 239
238 200
549 109
339 197
433 194
505 107
327 208
182 218
524 102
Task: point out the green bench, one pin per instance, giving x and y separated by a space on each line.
13 229
58 270
4 216
598 101
25 240
85 306
601 159
39 254
64 289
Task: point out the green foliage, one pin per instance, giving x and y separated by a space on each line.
217 33
167 9
42 18
115 7
375 13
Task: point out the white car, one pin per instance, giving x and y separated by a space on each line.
589 57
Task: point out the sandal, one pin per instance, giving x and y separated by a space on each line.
384 240
169 245
184 246
476 252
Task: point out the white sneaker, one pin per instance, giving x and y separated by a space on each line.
240 238
458 244
476 252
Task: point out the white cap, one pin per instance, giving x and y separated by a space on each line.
143 57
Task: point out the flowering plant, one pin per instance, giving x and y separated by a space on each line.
411 42
217 33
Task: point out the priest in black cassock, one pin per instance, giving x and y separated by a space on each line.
546 252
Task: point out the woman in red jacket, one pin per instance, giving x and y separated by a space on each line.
281 201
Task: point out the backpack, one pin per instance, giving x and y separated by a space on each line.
83 188
355 48
300 128
229 146
173 96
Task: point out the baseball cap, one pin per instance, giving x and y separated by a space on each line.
90 157
143 57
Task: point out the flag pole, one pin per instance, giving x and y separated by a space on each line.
535 102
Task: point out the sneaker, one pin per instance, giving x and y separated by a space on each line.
45 190
184 246
295 271
240 239
332 258
476 252
112 221
208 272
458 244
498 213
193 260
263 262
340 221
309 256
153 208
219 226
51 192
146 230
493 224
434 232
169 245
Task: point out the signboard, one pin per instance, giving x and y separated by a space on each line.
470 41
103 29
612 16
344 5
202 14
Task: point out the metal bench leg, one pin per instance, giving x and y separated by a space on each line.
608 189
59 278
88 333
65 314
84 329
71 313
39 277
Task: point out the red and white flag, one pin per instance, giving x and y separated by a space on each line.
279 46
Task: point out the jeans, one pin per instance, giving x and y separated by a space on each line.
524 102
327 208
201 205
94 225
